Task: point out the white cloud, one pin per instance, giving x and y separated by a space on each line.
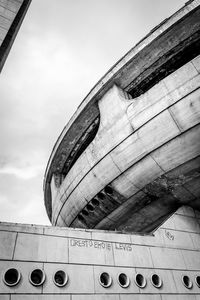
23 173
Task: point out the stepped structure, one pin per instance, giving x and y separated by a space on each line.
122 184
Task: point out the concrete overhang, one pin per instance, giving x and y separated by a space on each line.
166 48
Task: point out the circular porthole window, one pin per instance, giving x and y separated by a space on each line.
197 281
156 280
123 280
37 277
11 277
140 280
60 278
105 279
187 282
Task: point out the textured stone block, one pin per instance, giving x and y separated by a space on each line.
132 255
128 152
90 252
16 227
196 62
37 248
167 258
177 239
143 172
186 223
124 186
185 89
179 150
12 5
155 133
7 244
180 76
191 259
186 112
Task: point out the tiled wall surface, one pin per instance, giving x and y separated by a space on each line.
170 252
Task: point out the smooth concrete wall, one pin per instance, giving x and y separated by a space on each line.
171 252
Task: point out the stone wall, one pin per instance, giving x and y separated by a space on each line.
171 252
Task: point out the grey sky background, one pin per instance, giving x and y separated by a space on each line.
61 51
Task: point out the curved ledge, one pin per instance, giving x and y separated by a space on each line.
135 73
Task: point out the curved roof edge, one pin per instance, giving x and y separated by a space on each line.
110 78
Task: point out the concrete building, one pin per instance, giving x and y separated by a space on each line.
122 184
12 13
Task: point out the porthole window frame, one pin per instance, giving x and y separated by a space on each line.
160 281
43 277
189 287
18 277
128 280
110 280
145 281
65 281
198 284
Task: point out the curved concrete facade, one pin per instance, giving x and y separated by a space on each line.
129 157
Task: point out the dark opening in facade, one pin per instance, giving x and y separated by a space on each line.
95 202
60 278
105 279
81 218
37 277
140 280
101 196
123 280
90 207
12 277
85 212
108 190
197 280
156 280
187 282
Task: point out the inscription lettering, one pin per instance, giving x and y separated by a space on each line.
99 245
90 244
122 246
169 235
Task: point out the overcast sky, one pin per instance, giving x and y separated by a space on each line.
61 51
